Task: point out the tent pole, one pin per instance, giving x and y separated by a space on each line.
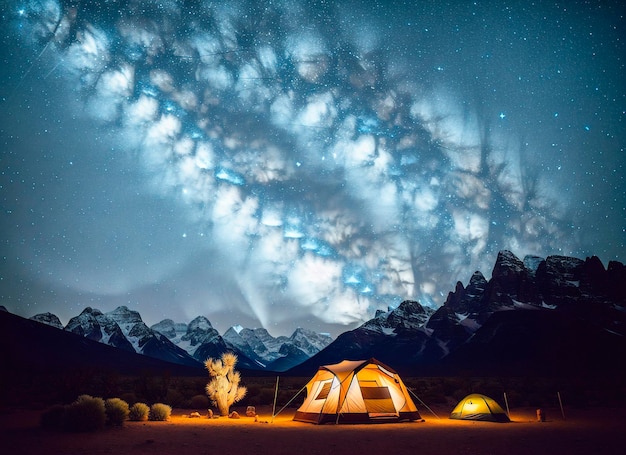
424 404
275 397
558 394
508 413
289 402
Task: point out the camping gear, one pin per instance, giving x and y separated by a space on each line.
479 407
356 391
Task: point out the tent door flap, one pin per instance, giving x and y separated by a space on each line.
378 402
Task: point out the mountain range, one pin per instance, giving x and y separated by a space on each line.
191 344
554 316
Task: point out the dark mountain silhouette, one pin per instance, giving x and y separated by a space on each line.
30 347
553 316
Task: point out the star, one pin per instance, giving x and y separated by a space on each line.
220 137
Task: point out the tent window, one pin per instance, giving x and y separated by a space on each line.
378 402
375 393
324 392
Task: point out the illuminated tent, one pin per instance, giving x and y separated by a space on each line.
479 407
356 391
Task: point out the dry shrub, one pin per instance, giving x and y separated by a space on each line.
85 414
138 412
160 412
116 410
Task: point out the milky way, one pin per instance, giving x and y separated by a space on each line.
288 163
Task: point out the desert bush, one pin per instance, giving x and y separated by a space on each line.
85 414
53 418
138 412
116 410
199 402
160 412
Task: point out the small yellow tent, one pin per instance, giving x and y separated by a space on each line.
356 391
479 407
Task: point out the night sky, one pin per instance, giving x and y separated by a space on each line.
293 163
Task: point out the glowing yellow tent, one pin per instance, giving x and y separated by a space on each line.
479 407
356 391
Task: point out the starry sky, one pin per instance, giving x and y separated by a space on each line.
300 163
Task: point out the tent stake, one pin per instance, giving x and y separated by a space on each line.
275 397
508 413
424 404
558 394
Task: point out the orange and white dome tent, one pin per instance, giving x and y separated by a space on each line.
356 391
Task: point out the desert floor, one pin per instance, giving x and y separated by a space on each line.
584 431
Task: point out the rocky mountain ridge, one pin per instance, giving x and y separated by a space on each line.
531 314
558 282
190 344
548 299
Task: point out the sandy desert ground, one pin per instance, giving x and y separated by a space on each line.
584 431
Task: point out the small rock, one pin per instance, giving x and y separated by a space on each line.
233 415
195 415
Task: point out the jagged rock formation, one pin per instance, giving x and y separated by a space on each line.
397 337
172 330
549 314
517 320
276 354
124 329
147 341
408 317
91 323
202 340
556 282
49 319
308 341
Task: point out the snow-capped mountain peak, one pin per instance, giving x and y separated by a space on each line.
308 341
49 319
124 316
93 324
409 315
172 330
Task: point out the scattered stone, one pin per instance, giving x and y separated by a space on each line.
195 415
210 416
250 411
233 415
